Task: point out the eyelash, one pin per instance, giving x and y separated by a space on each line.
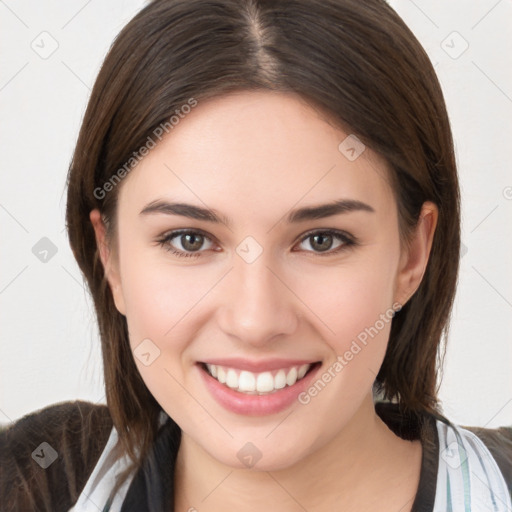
348 241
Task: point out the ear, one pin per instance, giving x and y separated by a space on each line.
414 258
108 260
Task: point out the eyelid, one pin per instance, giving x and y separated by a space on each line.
330 231
184 231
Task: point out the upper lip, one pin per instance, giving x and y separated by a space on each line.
258 366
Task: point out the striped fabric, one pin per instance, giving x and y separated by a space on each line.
95 495
468 478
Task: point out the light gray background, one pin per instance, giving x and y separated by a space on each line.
49 346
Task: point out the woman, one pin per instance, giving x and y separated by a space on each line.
264 202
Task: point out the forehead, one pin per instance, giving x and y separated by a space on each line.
257 151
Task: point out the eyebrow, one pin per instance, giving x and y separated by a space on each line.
295 216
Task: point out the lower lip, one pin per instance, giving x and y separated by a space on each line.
256 405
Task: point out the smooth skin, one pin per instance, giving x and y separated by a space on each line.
252 157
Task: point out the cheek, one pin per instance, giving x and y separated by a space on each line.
356 316
163 300
157 298
160 303
354 308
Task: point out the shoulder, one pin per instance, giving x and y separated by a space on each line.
464 465
475 462
47 456
499 443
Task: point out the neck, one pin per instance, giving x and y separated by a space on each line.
357 466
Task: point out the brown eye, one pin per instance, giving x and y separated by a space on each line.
185 243
322 241
191 241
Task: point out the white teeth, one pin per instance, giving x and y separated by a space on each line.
246 381
265 382
291 378
280 380
221 375
232 379
261 383
302 371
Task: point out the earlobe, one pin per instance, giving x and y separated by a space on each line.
415 258
107 260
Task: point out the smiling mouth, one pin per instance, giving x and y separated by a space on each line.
258 383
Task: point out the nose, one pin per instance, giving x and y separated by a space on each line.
257 304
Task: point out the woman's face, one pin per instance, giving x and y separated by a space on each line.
268 283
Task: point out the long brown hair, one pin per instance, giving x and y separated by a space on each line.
356 61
